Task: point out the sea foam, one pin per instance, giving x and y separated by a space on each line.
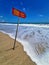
35 41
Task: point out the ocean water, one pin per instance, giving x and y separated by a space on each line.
34 38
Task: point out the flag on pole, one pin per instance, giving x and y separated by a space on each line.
18 13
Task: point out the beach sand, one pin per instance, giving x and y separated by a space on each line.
8 56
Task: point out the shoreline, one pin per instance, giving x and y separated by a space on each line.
3 35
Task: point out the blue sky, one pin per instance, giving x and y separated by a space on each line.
37 11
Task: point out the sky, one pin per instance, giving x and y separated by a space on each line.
37 11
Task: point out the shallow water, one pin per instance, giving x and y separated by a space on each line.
34 39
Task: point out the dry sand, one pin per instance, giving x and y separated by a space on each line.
8 56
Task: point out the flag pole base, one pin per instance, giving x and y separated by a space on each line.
13 48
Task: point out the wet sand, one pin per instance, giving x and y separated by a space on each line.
8 56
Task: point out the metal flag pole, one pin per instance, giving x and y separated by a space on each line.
16 34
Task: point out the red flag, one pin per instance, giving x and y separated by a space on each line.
18 13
